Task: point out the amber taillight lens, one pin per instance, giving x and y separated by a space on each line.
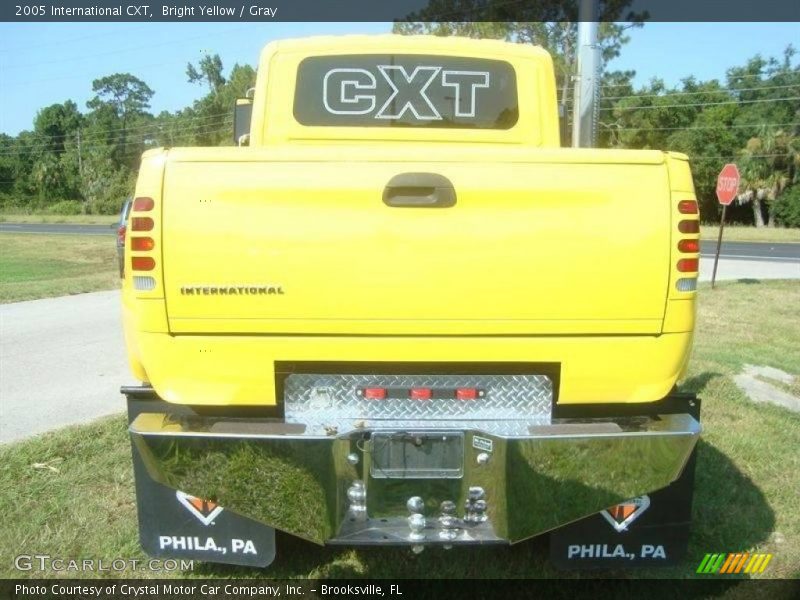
142 244
142 263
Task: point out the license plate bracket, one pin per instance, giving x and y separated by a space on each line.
417 455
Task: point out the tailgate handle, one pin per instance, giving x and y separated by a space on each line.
422 190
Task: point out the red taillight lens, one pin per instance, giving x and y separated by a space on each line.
143 204
687 265
689 226
689 245
374 393
687 207
466 393
141 224
121 235
142 263
142 244
420 393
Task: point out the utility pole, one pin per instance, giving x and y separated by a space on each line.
587 81
80 158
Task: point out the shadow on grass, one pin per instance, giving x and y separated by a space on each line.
698 383
730 513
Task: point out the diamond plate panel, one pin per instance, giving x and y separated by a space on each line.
511 403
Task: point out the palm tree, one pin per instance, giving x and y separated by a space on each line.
768 163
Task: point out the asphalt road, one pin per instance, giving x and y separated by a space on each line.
62 361
778 252
58 228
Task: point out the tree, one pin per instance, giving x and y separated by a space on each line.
767 163
208 122
209 71
120 101
56 122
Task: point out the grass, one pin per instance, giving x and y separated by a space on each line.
44 218
70 493
741 233
40 266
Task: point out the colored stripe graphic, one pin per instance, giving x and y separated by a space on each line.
735 562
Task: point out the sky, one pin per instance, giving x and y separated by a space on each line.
47 63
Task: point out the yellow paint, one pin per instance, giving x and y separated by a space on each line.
549 255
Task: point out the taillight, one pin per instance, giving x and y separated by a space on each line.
142 263
420 394
143 204
141 224
466 393
689 245
121 235
142 244
687 207
374 393
687 265
689 226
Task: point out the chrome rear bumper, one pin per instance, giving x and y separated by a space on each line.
414 487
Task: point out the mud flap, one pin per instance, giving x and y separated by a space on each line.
176 525
649 531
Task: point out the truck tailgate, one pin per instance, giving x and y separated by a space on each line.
533 245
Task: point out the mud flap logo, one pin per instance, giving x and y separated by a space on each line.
625 513
204 510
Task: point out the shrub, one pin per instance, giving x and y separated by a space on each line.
66 207
786 207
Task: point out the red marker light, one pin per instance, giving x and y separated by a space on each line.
687 265
420 394
466 393
142 244
143 204
142 263
689 245
689 226
687 207
374 393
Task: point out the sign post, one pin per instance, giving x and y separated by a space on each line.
727 189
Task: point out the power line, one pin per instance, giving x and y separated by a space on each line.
725 90
119 51
729 157
729 77
700 104
712 91
154 128
754 125
185 134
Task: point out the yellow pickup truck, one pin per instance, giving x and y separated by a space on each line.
398 312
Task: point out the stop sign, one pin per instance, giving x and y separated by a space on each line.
727 184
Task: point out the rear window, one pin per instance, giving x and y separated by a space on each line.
406 90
